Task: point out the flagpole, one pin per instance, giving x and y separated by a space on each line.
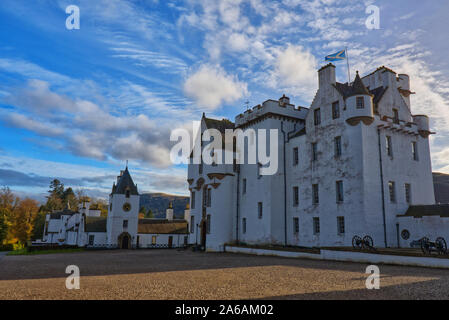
349 71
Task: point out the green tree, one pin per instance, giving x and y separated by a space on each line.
39 224
149 214
8 203
55 198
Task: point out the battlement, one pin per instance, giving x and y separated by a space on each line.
281 107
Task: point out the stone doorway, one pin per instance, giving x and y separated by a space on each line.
124 241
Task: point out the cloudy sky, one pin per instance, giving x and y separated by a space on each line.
76 104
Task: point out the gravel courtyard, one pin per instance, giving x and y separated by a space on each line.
173 274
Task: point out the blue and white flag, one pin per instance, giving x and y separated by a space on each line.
340 55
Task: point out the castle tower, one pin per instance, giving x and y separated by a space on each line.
123 212
169 212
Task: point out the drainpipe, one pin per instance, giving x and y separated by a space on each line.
285 141
382 187
397 234
238 205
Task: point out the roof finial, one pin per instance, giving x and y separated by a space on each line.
170 205
126 164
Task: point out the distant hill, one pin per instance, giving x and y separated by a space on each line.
441 186
158 203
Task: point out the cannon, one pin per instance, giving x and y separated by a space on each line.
439 246
365 243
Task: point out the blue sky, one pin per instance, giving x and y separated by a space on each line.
76 104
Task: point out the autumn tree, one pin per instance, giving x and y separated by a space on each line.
24 215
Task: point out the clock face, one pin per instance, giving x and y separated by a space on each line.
126 207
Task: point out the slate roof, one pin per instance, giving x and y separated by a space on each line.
441 210
125 181
356 88
162 226
95 224
65 212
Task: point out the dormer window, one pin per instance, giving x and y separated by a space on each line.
360 102
128 193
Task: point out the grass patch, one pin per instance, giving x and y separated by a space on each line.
25 252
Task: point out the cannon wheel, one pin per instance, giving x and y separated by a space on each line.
425 245
357 242
368 242
441 245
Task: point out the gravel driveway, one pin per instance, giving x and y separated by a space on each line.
172 274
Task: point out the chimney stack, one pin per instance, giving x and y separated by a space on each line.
326 76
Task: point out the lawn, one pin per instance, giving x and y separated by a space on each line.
25 252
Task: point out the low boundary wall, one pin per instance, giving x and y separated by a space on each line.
349 256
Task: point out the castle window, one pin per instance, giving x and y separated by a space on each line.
317 116
259 210
244 225
91 240
408 193
336 110
316 225
295 226
153 240
341 225
209 197
208 223
295 196
125 223
415 150
295 156
389 146
337 146
200 167
192 224
360 103
392 190
128 193
314 151
315 194
339 191
192 200
395 116
244 186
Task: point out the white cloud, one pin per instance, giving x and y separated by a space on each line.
210 87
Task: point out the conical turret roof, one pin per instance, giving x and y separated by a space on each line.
125 182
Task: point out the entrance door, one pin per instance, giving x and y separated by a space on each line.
125 242
170 241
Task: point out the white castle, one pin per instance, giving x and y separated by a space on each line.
357 162
122 228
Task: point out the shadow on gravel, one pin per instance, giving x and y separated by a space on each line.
116 262
425 290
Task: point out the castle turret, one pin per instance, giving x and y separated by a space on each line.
359 104
422 122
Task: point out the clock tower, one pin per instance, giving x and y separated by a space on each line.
123 212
